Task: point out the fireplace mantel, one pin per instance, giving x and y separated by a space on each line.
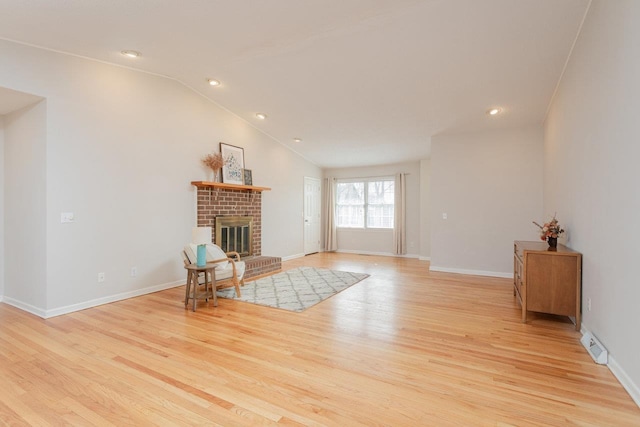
226 186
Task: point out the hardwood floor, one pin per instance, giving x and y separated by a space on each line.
404 347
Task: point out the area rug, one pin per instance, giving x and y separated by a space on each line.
296 289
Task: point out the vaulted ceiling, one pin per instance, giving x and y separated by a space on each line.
361 82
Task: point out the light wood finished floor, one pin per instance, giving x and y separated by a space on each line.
404 347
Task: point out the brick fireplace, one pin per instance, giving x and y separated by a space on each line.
222 202
218 200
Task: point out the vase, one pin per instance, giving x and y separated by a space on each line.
553 242
215 175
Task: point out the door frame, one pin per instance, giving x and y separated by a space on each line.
318 204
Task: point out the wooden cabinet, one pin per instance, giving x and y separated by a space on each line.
546 280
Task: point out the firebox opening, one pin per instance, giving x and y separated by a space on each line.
234 233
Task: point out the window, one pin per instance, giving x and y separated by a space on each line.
350 204
365 203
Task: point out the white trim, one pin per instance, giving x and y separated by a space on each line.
424 258
471 272
305 179
357 252
46 314
290 257
626 381
25 307
88 58
112 298
1 298
367 178
566 62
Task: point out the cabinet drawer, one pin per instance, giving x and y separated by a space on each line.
517 275
517 269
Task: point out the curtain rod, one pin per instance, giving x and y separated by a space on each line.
369 177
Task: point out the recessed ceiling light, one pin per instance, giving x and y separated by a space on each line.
213 82
131 53
261 116
297 139
494 111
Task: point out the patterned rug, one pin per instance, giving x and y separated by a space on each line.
295 290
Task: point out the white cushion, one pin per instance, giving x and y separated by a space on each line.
190 252
227 273
221 273
213 253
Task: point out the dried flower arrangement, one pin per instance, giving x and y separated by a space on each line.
213 161
550 229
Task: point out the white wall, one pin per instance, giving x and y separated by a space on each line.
282 218
381 241
122 149
425 209
490 186
25 173
1 208
591 174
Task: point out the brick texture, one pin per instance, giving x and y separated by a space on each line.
256 266
218 202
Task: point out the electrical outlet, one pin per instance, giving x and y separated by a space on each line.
588 304
101 277
134 271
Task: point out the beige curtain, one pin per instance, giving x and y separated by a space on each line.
399 226
330 238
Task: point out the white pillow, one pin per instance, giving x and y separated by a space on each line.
190 251
213 253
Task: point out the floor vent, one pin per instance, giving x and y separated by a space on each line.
595 348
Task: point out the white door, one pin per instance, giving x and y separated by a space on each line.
311 215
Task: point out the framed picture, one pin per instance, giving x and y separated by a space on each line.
248 180
233 164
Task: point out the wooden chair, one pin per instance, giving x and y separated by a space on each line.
229 270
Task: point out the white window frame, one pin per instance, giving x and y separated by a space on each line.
366 182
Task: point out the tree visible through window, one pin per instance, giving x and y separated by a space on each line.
365 204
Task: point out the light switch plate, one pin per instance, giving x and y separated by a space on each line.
67 217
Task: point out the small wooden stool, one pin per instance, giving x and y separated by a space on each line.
193 271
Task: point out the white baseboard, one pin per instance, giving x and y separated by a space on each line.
348 251
46 314
472 272
290 257
25 307
626 381
424 258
